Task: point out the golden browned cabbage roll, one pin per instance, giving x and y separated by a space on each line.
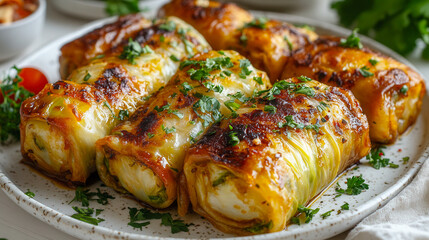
247 175
98 42
267 43
144 155
60 125
389 92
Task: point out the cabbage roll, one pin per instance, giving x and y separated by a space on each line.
248 175
60 125
144 155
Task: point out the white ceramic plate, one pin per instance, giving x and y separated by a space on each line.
95 9
51 203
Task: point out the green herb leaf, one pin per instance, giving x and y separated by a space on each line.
87 77
168 130
121 7
123 114
353 41
134 50
168 26
375 158
309 213
186 88
404 89
84 215
373 61
174 58
260 22
345 206
326 214
405 160
364 72
30 193
258 80
355 185
270 108
244 64
13 96
162 108
233 139
260 228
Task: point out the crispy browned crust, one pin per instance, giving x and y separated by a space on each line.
80 51
389 111
257 153
224 27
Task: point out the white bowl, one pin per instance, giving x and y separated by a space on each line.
18 36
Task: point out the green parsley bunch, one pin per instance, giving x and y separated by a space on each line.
398 24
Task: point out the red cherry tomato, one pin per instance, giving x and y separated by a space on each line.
32 79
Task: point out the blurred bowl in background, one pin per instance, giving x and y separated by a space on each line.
17 36
95 9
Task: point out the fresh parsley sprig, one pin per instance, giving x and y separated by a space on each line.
121 7
11 97
134 50
355 185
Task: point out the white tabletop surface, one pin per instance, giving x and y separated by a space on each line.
15 223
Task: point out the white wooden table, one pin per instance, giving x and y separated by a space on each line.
15 223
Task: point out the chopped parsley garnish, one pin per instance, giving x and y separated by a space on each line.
239 96
186 88
373 61
150 135
299 88
13 95
87 77
393 165
345 206
405 160
375 158
326 214
123 114
290 122
30 193
233 139
260 227
133 50
303 89
270 109
138 219
352 41
304 79
84 196
404 89
355 185
193 138
168 130
322 106
258 80
85 215
289 43
98 57
207 108
309 214
162 108
364 71
176 112
205 67
174 58
244 64
213 87
232 106
260 22
168 26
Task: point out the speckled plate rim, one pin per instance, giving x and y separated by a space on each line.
80 229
